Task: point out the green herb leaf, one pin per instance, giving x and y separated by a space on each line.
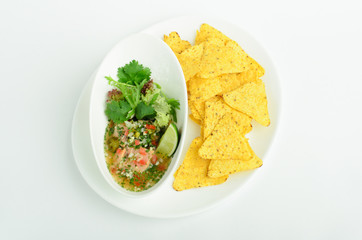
117 111
144 111
133 73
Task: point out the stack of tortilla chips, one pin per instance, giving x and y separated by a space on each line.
225 93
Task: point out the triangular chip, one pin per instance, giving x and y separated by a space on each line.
202 89
250 99
219 58
194 113
190 61
219 168
227 140
214 111
206 32
176 43
250 63
232 81
193 171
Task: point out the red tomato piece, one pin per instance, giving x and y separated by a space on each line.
143 151
149 126
142 162
137 142
154 159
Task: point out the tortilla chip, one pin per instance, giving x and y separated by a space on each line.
249 62
200 107
193 171
218 59
197 121
227 140
250 99
206 32
190 61
219 168
202 89
232 81
214 111
176 43
194 113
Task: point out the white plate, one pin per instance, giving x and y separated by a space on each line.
167 203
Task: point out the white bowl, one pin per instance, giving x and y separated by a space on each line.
166 71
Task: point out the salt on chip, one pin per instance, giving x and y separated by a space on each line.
218 58
249 62
190 61
193 171
227 140
250 99
219 168
202 89
174 41
206 32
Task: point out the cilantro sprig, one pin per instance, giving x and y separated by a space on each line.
131 79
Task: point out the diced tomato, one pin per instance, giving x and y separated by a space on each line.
154 159
119 151
161 167
149 126
142 162
143 151
137 184
154 143
145 132
137 142
113 170
126 132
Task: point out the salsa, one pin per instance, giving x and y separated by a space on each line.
131 156
138 113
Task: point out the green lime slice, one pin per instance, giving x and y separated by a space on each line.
169 141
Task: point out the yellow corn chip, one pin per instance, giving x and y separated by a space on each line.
197 121
176 43
194 113
200 107
206 32
218 59
190 61
250 99
250 63
219 168
227 140
202 89
214 111
232 81
193 171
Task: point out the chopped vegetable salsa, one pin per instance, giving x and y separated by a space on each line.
138 114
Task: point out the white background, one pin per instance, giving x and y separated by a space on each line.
309 188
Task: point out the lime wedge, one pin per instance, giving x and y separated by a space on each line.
169 141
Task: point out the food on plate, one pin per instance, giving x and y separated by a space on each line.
193 171
176 43
250 98
225 93
141 134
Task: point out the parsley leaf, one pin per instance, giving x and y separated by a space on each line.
144 111
118 111
133 73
